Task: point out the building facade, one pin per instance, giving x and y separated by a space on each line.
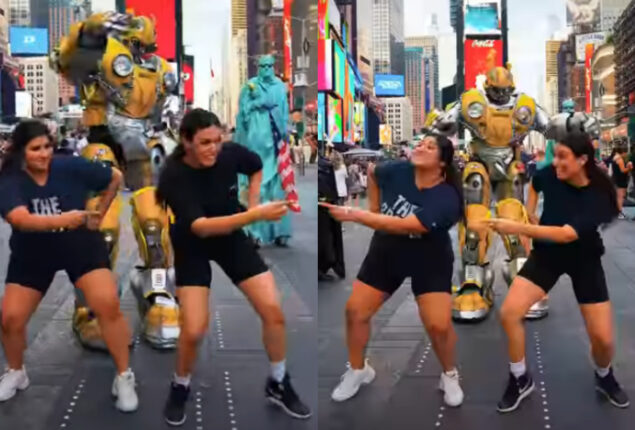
430 46
20 13
566 60
238 72
5 18
578 88
551 76
610 12
603 75
388 37
624 37
415 85
41 82
239 16
398 114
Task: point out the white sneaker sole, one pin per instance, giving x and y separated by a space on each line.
364 382
20 387
606 395
512 408
286 410
176 423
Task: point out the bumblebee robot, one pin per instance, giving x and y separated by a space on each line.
498 119
123 88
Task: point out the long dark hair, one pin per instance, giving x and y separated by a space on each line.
581 144
450 172
23 133
193 121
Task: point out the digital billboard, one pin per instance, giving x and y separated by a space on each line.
480 56
349 106
28 41
482 18
163 12
339 61
321 116
335 119
325 65
188 78
360 119
389 86
323 19
587 75
583 13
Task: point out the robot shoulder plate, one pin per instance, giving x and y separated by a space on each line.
473 96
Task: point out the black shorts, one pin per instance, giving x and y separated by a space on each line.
235 254
391 259
620 181
544 268
78 252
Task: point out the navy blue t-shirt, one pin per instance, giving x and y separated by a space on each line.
437 208
583 208
70 184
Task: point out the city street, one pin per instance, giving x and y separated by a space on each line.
404 394
70 387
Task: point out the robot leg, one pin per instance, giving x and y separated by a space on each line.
475 296
153 282
85 325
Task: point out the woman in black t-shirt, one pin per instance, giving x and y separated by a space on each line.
43 199
578 198
419 201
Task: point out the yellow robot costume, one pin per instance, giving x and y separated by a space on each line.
123 89
498 120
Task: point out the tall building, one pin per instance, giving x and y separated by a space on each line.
238 72
625 61
610 11
20 13
415 85
398 112
566 60
430 46
5 18
551 76
388 37
239 16
454 11
365 31
41 82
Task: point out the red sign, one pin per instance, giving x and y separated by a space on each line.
480 56
163 12
188 81
587 75
288 61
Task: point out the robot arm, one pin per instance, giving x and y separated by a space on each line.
447 122
541 121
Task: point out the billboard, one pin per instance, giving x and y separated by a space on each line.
323 19
389 86
23 104
321 116
28 41
585 13
349 106
587 76
480 56
164 13
188 78
582 40
339 61
482 18
334 119
385 134
325 65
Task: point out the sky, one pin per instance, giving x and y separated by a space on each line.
530 24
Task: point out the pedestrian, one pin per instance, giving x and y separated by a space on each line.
620 169
413 204
341 176
43 198
578 198
199 184
354 184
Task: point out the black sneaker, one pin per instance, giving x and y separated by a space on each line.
611 390
283 395
517 390
174 411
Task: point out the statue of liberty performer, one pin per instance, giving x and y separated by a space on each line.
261 126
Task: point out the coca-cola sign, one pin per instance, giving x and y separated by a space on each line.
482 44
480 56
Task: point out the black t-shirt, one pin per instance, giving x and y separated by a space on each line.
583 208
208 192
437 208
71 181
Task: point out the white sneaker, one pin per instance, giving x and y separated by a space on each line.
123 388
351 381
449 384
11 381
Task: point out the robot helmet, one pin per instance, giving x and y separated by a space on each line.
141 35
569 124
499 84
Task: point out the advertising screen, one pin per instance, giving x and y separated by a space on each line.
339 60
163 12
323 19
582 40
389 86
360 119
587 75
482 17
321 116
481 55
325 65
335 119
28 41
583 13
188 78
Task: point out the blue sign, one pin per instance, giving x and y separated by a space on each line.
28 41
389 86
482 18
321 116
